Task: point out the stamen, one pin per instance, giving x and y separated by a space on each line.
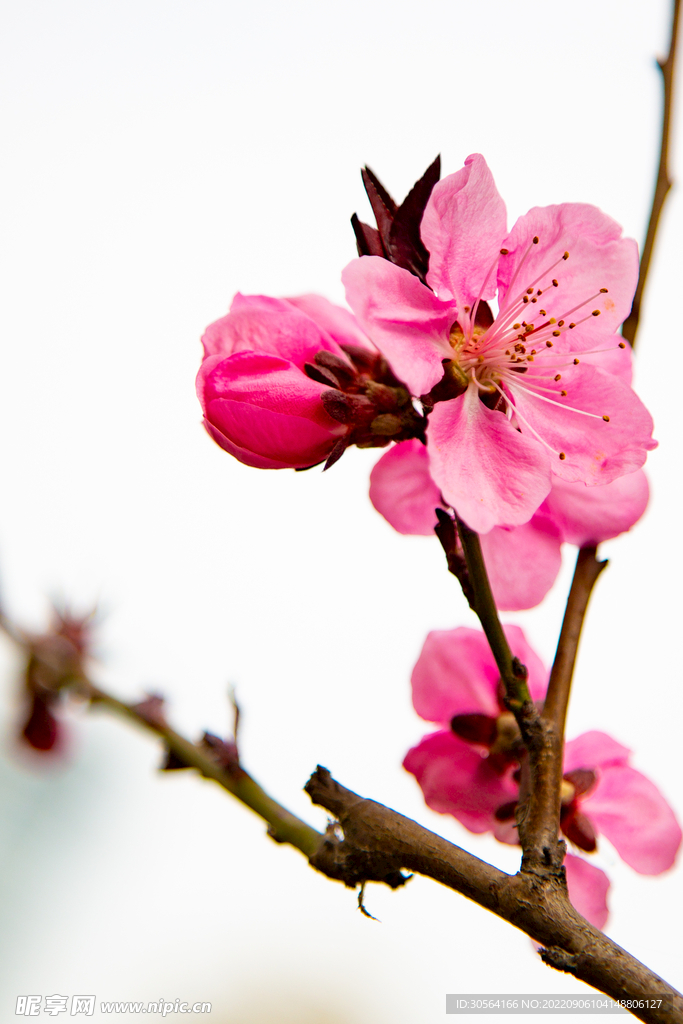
563 456
569 408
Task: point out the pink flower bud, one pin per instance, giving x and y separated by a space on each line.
259 402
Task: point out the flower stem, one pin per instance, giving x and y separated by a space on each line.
586 572
662 183
512 672
545 801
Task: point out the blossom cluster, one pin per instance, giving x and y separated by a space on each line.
470 767
490 362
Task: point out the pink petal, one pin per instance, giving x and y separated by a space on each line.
594 749
587 887
264 405
456 780
406 321
598 258
614 360
259 323
596 451
632 813
339 323
456 673
489 472
402 490
243 455
522 562
589 515
463 227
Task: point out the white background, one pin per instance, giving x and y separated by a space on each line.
159 156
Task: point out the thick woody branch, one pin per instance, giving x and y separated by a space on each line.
374 835
662 184
377 844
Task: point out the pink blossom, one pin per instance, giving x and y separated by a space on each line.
258 402
613 799
467 768
470 768
513 402
293 382
522 561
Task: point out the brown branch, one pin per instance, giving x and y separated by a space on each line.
374 834
586 573
539 822
378 845
283 826
662 184
512 672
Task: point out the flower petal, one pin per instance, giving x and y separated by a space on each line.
588 887
489 472
340 323
259 323
402 490
522 562
406 321
589 515
596 451
456 780
632 813
266 406
593 749
456 673
463 227
598 258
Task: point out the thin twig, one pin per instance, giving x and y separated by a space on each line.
283 826
512 672
539 829
587 570
662 185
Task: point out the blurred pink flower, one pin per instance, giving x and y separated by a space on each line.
511 406
522 561
469 768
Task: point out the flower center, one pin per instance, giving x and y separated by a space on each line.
500 358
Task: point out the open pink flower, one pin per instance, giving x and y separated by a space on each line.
522 561
512 402
469 768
